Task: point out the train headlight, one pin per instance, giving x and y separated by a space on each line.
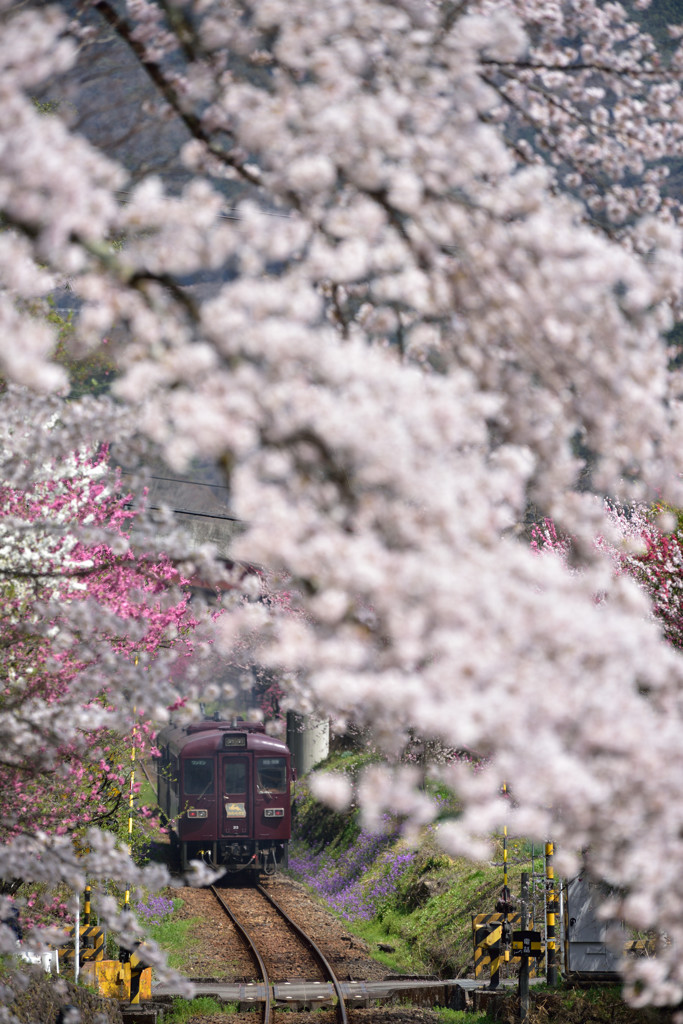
195 812
274 812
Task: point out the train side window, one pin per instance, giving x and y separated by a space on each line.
198 776
235 777
272 774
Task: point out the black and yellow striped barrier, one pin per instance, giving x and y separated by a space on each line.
487 931
91 944
639 947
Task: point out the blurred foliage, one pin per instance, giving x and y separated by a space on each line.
91 374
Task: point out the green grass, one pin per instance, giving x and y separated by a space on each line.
428 923
389 931
183 1009
175 937
147 795
462 1016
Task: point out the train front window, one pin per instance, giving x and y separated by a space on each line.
272 775
235 777
198 776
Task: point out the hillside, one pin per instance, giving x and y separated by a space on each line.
414 905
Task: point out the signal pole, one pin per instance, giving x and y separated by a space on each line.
551 906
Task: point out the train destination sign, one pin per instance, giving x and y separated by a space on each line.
234 740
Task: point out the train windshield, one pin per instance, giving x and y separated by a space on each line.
198 776
235 776
272 775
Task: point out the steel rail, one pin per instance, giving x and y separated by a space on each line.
267 1004
342 1017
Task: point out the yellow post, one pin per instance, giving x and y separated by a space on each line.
551 897
506 891
504 904
124 954
131 797
140 979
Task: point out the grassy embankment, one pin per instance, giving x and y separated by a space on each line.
418 901
414 907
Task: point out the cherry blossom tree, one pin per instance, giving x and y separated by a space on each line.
81 609
646 544
444 294
652 553
81 777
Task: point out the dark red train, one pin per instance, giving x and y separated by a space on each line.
225 788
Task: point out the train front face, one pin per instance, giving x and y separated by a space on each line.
235 792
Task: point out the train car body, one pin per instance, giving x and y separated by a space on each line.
225 789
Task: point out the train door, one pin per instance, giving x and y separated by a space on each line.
236 813
271 799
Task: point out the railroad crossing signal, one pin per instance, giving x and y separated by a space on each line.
491 934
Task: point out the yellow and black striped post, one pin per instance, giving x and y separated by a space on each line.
495 965
551 915
131 797
506 891
86 905
140 978
504 904
486 929
487 932
505 851
124 954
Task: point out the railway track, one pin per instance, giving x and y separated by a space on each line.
282 953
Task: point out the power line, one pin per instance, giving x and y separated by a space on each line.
187 512
181 480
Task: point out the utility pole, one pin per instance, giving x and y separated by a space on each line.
524 966
551 904
525 945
